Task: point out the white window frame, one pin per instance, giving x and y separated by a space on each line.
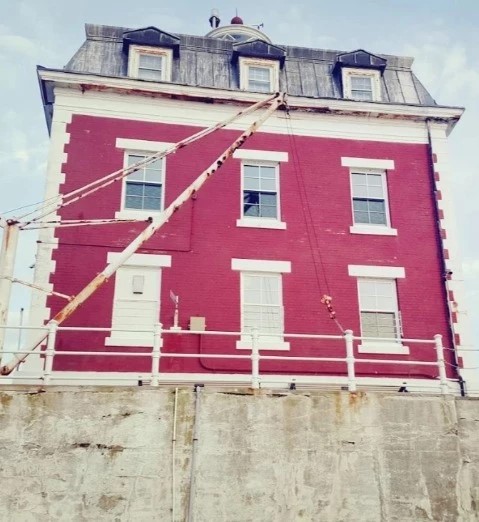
378 273
348 72
134 60
272 65
370 166
261 267
144 263
142 148
268 159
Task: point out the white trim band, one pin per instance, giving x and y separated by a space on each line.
260 155
373 230
387 272
152 260
261 223
367 163
258 265
142 145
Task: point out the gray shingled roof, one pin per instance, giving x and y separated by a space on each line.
206 62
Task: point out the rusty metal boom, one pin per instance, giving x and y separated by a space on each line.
277 101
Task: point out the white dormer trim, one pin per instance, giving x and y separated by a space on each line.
245 63
348 72
136 51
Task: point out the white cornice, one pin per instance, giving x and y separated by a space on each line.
320 105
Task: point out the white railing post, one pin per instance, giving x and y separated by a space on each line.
156 354
255 359
50 351
348 336
441 364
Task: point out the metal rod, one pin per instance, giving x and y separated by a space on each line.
348 336
441 364
173 460
8 253
148 232
50 351
255 360
121 173
156 354
194 449
20 330
36 287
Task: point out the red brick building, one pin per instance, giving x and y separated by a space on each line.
345 194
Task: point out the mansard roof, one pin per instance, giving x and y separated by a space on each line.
208 62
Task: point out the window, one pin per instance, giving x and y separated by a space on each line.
259 75
260 197
369 195
260 191
361 84
378 308
369 198
379 311
136 303
150 63
142 191
144 188
362 87
262 302
259 79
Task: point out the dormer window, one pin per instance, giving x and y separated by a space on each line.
150 53
150 63
259 75
359 73
361 84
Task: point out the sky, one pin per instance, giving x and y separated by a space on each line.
442 35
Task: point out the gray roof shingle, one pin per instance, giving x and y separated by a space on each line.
207 62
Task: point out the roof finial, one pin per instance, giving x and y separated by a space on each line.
236 20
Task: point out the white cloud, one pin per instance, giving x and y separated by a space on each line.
444 66
471 269
13 43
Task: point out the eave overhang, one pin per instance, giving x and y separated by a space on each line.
51 78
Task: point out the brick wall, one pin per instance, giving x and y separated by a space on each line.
202 238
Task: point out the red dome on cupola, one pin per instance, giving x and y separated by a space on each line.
236 20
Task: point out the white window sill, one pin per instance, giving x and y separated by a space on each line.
263 345
123 341
261 223
373 230
383 347
136 214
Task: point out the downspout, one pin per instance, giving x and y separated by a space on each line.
194 449
445 274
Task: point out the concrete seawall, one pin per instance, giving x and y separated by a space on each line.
106 454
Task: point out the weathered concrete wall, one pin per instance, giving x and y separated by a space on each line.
106 455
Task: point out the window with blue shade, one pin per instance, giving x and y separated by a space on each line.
144 187
260 191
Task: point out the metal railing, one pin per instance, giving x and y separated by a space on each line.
256 355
